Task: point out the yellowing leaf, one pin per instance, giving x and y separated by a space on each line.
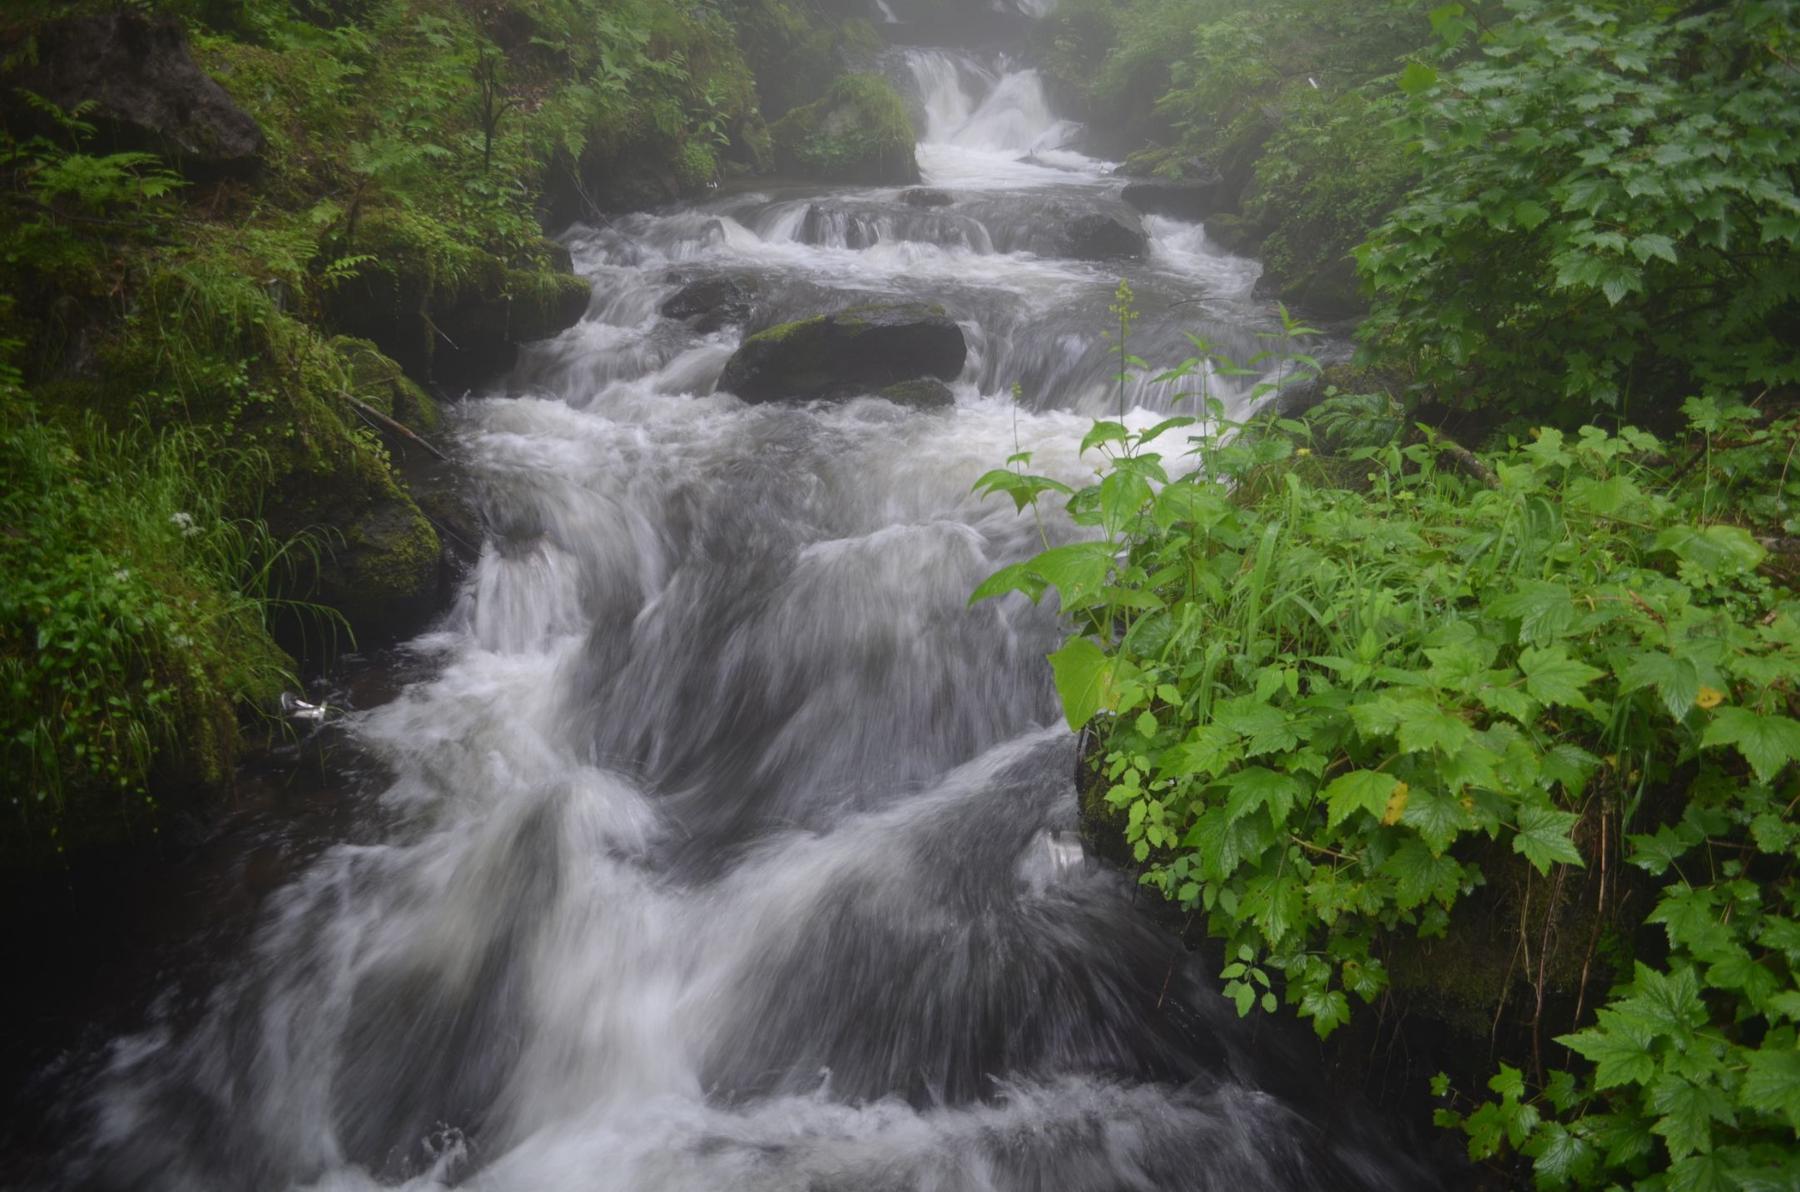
1396 805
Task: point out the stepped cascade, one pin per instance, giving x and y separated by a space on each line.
723 844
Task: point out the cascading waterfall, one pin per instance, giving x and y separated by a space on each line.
727 847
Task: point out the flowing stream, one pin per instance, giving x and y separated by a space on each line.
725 846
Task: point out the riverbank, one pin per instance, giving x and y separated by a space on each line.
256 248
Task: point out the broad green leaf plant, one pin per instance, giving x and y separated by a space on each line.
1328 697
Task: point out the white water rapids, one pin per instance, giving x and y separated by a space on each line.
727 847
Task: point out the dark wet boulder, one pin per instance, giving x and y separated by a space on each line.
926 393
865 349
1240 235
145 90
925 196
1192 200
711 302
1101 237
859 132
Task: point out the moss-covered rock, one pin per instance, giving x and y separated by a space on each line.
449 315
862 350
924 393
859 132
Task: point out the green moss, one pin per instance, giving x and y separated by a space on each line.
782 331
859 132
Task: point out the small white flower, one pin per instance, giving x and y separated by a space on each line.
121 575
185 523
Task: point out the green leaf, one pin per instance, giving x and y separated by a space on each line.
1529 213
1084 680
1653 244
1545 611
1543 837
1328 1008
1268 729
1560 1157
1014 578
1424 726
1687 1112
1768 743
1359 790
1417 78
1718 550
1256 787
1421 876
1552 677
1618 1047
1078 571
1677 680
1104 432
1772 1083
1274 904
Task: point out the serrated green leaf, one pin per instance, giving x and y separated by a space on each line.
1768 743
1687 1112
1359 790
1543 837
1618 1047
1772 1083
1529 213
1417 78
1545 611
1677 680
1552 677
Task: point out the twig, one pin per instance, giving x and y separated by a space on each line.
386 423
1468 462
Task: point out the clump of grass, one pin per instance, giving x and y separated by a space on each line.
132 610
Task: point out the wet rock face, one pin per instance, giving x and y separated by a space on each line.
925 196
1192 200
459 336
926 393
148 92
862 350
711 302
1101 237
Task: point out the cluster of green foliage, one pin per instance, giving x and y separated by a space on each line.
859 131
1608 215
1289 101
131 598
1327 682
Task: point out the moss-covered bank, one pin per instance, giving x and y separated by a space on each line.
248 242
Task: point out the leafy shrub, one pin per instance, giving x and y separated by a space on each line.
1608 215
1317 708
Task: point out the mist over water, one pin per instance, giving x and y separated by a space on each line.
727 847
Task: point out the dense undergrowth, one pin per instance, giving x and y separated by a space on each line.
1504 739
1333 691
209 372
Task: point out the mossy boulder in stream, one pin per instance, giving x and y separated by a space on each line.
862 350
859 132
449 312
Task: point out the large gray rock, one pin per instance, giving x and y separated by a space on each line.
1191 200
1101 237
862 350
147 91
925 196
711 302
